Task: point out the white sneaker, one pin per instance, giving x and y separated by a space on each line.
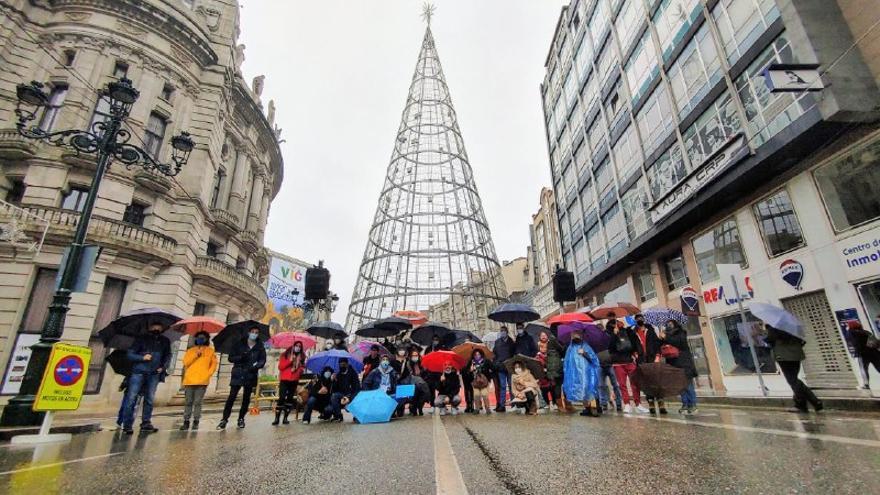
628 409
454 412
641 409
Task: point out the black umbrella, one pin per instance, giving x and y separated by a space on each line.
532 364
425 334
232 334
393 323
122 332
661 379
327 330
372 330
457 337
118 360
535 329
514 313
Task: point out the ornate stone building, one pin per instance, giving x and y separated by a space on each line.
193 243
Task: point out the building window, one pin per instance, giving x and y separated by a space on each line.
741 22
614 103
135 214
584 56
628 22
849 186
655 119
101 113
615 230
218 186
768 113
778 223
711 131
635 205
720 245
597 247
676 272
212 250
588 197
570 88
200 309
627 153
39 301
167 92
695 71
672 20
120 69
16 192
599 24
667 172
590 92
155 134
69 57
604 178
581 256
240 263
644 281
733 347
642 68
607 60
56 101
74 199
108 310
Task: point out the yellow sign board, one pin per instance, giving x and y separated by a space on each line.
65 378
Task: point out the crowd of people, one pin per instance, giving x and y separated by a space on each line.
567 373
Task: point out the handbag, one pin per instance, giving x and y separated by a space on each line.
624 345
669 351
480 381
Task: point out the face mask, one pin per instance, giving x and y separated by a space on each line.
520 331
503 336
414 359
478 358
328 346
401 354
297 349
337 341
327 374
253 336
201 341
436 343
577 340
385 365
343 366
517 370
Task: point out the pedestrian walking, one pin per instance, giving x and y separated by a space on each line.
525 389
199 365
525 343
581 379
248 357
290 366
553 352
624 349
675 335
123 404
319 389
788 351
345 386
150 356
867 348
483 371
503 350
448 390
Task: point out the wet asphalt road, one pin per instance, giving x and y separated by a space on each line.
718 451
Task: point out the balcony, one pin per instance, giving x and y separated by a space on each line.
225 220
224 277
14 147
153 181
132 241
250 240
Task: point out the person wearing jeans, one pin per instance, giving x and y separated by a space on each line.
676 336
606 372
345 386
150 355
503 350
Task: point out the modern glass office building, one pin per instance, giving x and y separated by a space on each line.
670 154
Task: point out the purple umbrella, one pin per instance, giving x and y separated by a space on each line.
593 334
362 349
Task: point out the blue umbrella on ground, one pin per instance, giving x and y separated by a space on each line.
659 316
372 406
514 313
331 358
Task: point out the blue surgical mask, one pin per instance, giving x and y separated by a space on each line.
253 336
385 365
327 374
201 341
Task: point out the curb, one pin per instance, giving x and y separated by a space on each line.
6 434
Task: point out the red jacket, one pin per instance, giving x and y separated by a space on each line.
291 367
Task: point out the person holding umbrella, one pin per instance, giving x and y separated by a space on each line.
676 336
503 350
345 386
290 366
524 343
150 356
248 357
448 389
320 389
789 352
581 371
525 389
199 365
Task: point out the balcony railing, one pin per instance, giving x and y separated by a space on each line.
230 278
225 219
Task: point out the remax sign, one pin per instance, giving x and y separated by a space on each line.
792 272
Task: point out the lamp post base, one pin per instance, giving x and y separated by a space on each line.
19 411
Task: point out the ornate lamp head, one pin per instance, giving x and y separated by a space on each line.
31 98
182 145
122 96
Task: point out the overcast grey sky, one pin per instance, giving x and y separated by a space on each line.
339 71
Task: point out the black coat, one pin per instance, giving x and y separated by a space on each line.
347 383
246 363
451 386
525 345
649 353
431 348
616 345
319 382
486 368
504 350
685 360
374 380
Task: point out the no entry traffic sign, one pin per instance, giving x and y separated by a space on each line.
64 379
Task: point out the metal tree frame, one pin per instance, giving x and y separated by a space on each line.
109 142
429 244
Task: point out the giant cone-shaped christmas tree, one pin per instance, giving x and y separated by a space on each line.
429 248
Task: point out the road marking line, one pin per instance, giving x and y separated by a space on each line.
785 433
44 466
447 474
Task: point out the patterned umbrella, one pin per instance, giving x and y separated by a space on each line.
659 316
514 313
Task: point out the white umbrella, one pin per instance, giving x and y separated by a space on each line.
778 318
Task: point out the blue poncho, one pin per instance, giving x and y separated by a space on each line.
581 373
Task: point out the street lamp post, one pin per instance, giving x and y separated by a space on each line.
109 141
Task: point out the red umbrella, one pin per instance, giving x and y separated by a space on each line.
284 340
436 361
569 318
196 324
416 318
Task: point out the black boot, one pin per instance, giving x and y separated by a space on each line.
195 425
241 422
222 424
185 425
277 418
286 414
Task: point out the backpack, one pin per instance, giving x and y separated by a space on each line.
624 344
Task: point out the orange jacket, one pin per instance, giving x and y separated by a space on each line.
199 365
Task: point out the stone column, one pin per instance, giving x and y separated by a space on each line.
253 219
264 213
237 194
